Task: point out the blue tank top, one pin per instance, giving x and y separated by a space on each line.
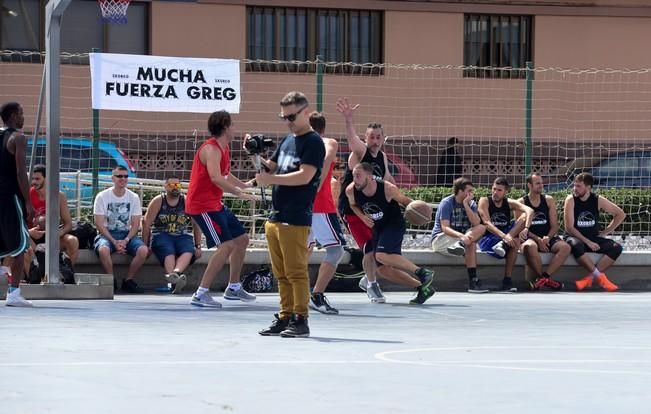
172 220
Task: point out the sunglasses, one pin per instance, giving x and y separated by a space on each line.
121 176
291 117
175 185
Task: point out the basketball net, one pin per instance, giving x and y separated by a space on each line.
114 11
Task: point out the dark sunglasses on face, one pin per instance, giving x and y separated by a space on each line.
291 117
121 176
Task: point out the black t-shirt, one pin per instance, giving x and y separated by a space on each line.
586 216
540 223
293 204
379 171
383 213
8 170
500 216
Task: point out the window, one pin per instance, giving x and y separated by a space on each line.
497 42
293 34
618 167
22 28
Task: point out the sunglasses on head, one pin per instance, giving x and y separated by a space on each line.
121 175
291 117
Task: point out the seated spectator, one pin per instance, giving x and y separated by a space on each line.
168 229
118 212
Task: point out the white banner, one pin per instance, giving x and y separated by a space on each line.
165 84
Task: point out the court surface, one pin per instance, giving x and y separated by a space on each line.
459 353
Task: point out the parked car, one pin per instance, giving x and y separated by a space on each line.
630 169
77 155
401 172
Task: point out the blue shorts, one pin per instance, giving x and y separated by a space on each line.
166 244
388 239
487 242
219 226
132 247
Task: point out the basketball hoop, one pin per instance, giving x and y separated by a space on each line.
114 11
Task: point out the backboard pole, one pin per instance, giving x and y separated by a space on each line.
53 13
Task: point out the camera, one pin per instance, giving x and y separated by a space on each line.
258 144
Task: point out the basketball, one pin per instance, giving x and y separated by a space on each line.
418 213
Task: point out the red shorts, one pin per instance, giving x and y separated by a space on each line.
360 231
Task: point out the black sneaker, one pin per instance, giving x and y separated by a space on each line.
320 303
475 286
507 286
426 276
276 327
130 286
422 294
297 328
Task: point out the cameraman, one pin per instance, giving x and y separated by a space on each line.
294 171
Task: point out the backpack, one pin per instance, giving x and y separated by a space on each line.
37 268
258 281
85 233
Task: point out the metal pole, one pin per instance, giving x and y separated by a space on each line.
95 153
528 144
53 12
37 127
319 83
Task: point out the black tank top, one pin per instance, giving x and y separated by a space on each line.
172 220
540 224
500 216
8 169
586 216
379 171
377 207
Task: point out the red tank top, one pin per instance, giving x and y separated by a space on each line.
323 202
38 203
204 196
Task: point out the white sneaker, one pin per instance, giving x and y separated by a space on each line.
240 294
15 299
205 301
375 294
499 249
363 283
177 280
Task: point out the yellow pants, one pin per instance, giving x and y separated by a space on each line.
289 253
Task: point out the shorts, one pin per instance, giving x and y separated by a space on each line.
388 239
487 242
166 244
553 241
219 226
132 247
360 232
442 241
326 231
14 237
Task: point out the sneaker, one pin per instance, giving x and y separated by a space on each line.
499 249
423 292
584 283
205 301
276 327
320 303
375 294
606 284
181 282
553 284
538 283
426 276
15 299
363 283
297 328
475 286
240 294
130 286
457 249
507 286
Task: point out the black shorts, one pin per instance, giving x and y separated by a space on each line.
14 238
388 239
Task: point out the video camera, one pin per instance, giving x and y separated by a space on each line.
258 144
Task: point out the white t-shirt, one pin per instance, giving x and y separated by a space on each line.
118 210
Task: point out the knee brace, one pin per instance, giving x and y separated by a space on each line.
614 251
333 255
578 247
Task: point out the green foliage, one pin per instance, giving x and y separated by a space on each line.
636 203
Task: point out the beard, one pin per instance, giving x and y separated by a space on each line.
174 193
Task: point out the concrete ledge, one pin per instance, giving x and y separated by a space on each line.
33 292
